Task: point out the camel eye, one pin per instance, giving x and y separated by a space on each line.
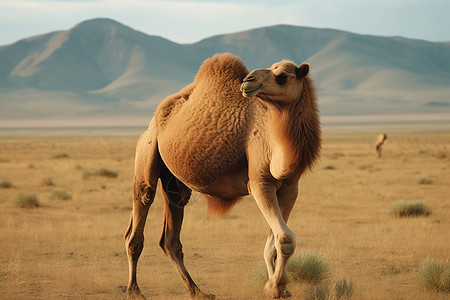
281 79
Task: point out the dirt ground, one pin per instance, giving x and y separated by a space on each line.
74 249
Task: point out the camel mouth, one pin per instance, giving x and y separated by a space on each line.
250 91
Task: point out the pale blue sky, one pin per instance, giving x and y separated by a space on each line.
191 21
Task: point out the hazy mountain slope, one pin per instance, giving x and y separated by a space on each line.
102 68
90 56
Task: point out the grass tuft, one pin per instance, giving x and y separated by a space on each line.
318 292
259 275
409 209
308 266
364 166
5 184
435 275
441 155
61 155
106 173
26 200
336 155
48 181
60 194
425 180
304 266
344 289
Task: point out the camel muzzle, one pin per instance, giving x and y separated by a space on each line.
249 91
249 87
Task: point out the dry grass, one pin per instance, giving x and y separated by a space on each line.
409 209
308 266
26 200
435 274
74 249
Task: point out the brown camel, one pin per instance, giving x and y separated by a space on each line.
226 135
380 141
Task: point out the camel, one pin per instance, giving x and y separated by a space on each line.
380 141
228 134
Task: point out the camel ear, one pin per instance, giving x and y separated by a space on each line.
303 70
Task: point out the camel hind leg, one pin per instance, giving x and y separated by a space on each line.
147 171
176 195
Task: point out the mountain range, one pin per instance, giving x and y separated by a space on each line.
101 72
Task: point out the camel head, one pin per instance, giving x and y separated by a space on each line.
281 83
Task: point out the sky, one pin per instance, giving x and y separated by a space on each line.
190 21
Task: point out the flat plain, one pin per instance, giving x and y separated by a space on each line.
74 249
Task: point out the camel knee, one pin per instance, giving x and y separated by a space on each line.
135 245
287 249
174 251
287 244
143 193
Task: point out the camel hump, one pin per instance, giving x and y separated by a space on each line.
223 67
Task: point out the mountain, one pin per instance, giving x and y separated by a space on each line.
103 72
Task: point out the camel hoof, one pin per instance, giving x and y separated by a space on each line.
202 296
196 293
287 248
135 296
134 293
286 294
275 291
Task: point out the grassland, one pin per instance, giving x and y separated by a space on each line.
73 248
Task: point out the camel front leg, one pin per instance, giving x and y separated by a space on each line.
284 240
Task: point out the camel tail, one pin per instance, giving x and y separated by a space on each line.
220 207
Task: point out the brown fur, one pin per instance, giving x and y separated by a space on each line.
220 207
226 135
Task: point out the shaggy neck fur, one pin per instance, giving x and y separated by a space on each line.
295 129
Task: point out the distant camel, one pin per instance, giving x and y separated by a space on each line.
227 135
380 141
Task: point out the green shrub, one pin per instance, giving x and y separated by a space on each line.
5 184
441 155
308 266
329 167
60 194
304 266
26 200
318 292
259 274
61 155
336 155
425 180
434 274
87 174
409 209
364 166
106 173
48 181
343 289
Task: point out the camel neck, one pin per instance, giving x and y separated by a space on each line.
295 131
